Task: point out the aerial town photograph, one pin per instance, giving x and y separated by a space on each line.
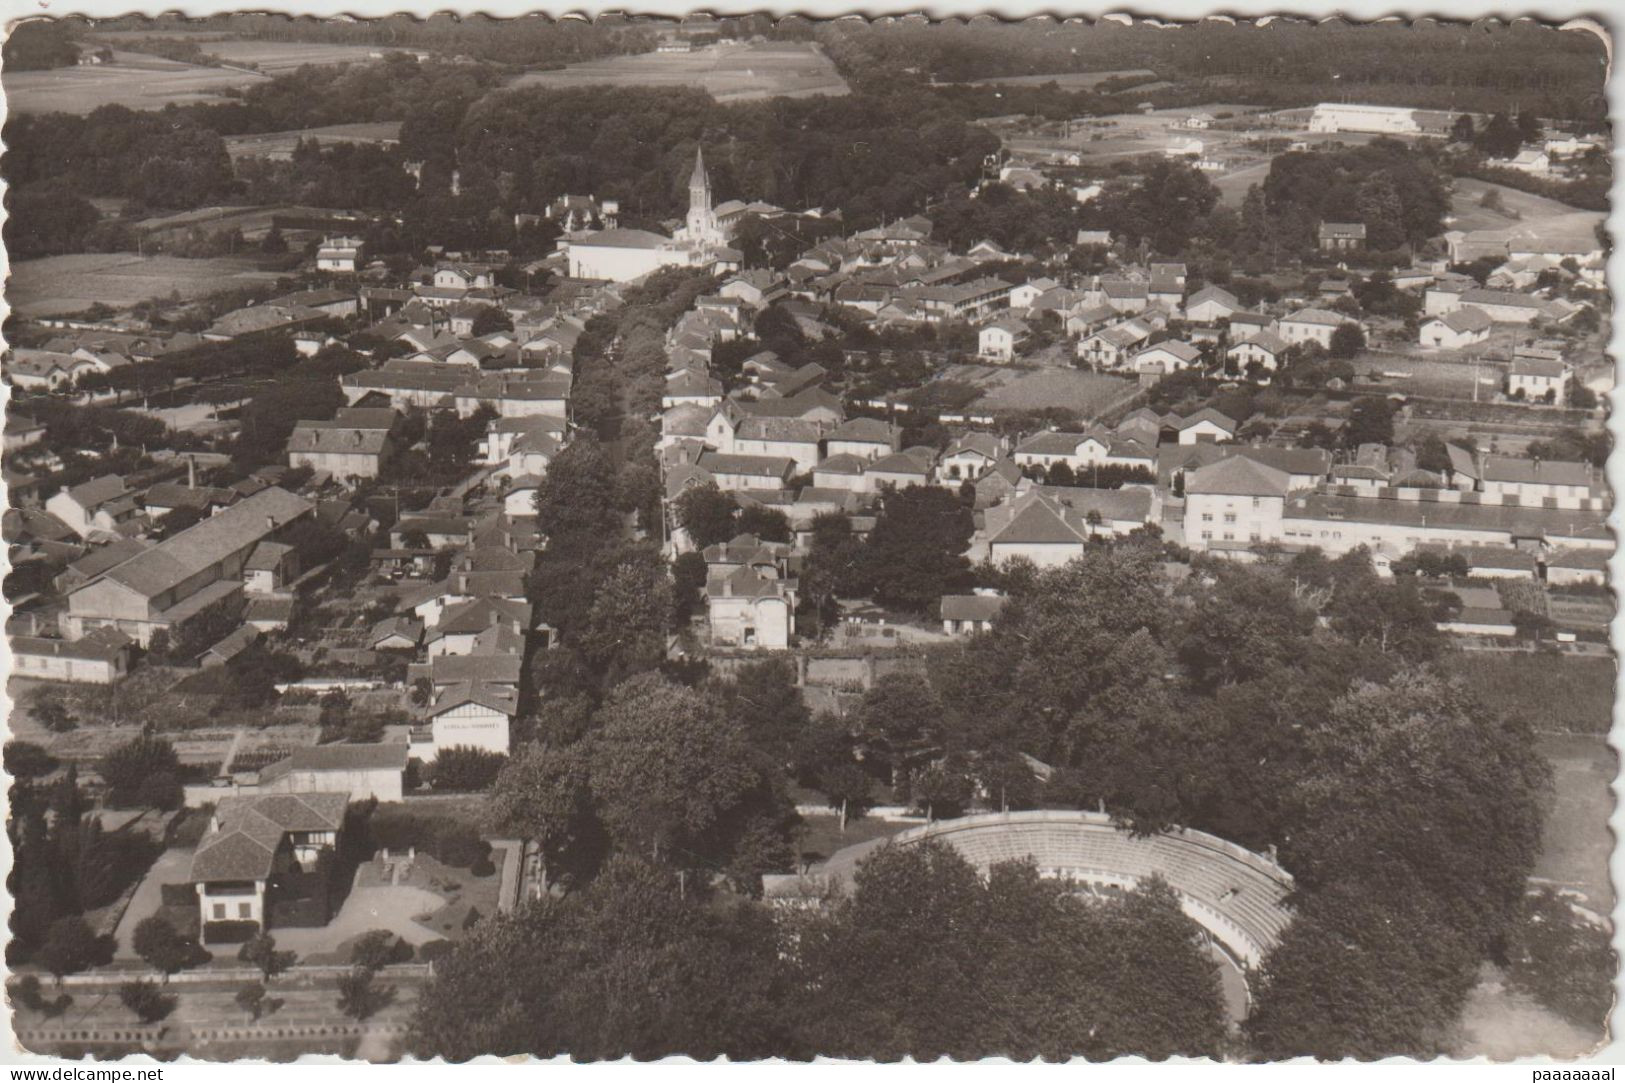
764 537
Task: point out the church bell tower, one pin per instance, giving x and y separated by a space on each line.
702 221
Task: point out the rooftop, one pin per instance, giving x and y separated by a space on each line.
184 555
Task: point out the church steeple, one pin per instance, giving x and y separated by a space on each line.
702 222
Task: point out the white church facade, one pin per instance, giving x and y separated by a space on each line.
621 255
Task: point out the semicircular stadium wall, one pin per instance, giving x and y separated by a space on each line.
1238 896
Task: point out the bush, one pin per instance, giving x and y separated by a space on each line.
144 999
359 997
230 932
24 759
461 769
164 949
460 846
378 949
434 949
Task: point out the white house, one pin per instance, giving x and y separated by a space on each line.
997 341
1165 357
101 504
1234 503
1311 325
863 437
1535 480
1532 161
1024 295
747 608
1211 305
339 255
471 714
1206 425
1111 347
101 657
1537 378
253 841
1263 348
1455 330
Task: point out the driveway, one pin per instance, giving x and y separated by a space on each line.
389 907
172 867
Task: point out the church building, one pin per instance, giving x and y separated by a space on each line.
622 255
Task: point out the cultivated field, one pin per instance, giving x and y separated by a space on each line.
279 56
280 144
729 73
58 285
1086 393
141 81
133 80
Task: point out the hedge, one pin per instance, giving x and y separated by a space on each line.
230 932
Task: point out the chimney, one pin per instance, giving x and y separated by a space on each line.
270 523
191 471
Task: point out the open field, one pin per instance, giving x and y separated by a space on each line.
58 285
141 81
729 73
1071 80
1441 376
1087 393
279 56
133 80
1527 212
280 144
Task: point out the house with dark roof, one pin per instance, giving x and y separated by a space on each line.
187 574
967 614
751 607
1532 379
98 560
261 850
1532 481
1264 348
1341 236
1571 567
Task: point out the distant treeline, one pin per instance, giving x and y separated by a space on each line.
533 41
40 44
871 155
1443 66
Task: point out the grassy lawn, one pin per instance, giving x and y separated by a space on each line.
1554 692
1086 393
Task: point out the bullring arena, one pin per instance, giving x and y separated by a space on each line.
1239 898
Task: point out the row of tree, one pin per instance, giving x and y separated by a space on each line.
925 959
